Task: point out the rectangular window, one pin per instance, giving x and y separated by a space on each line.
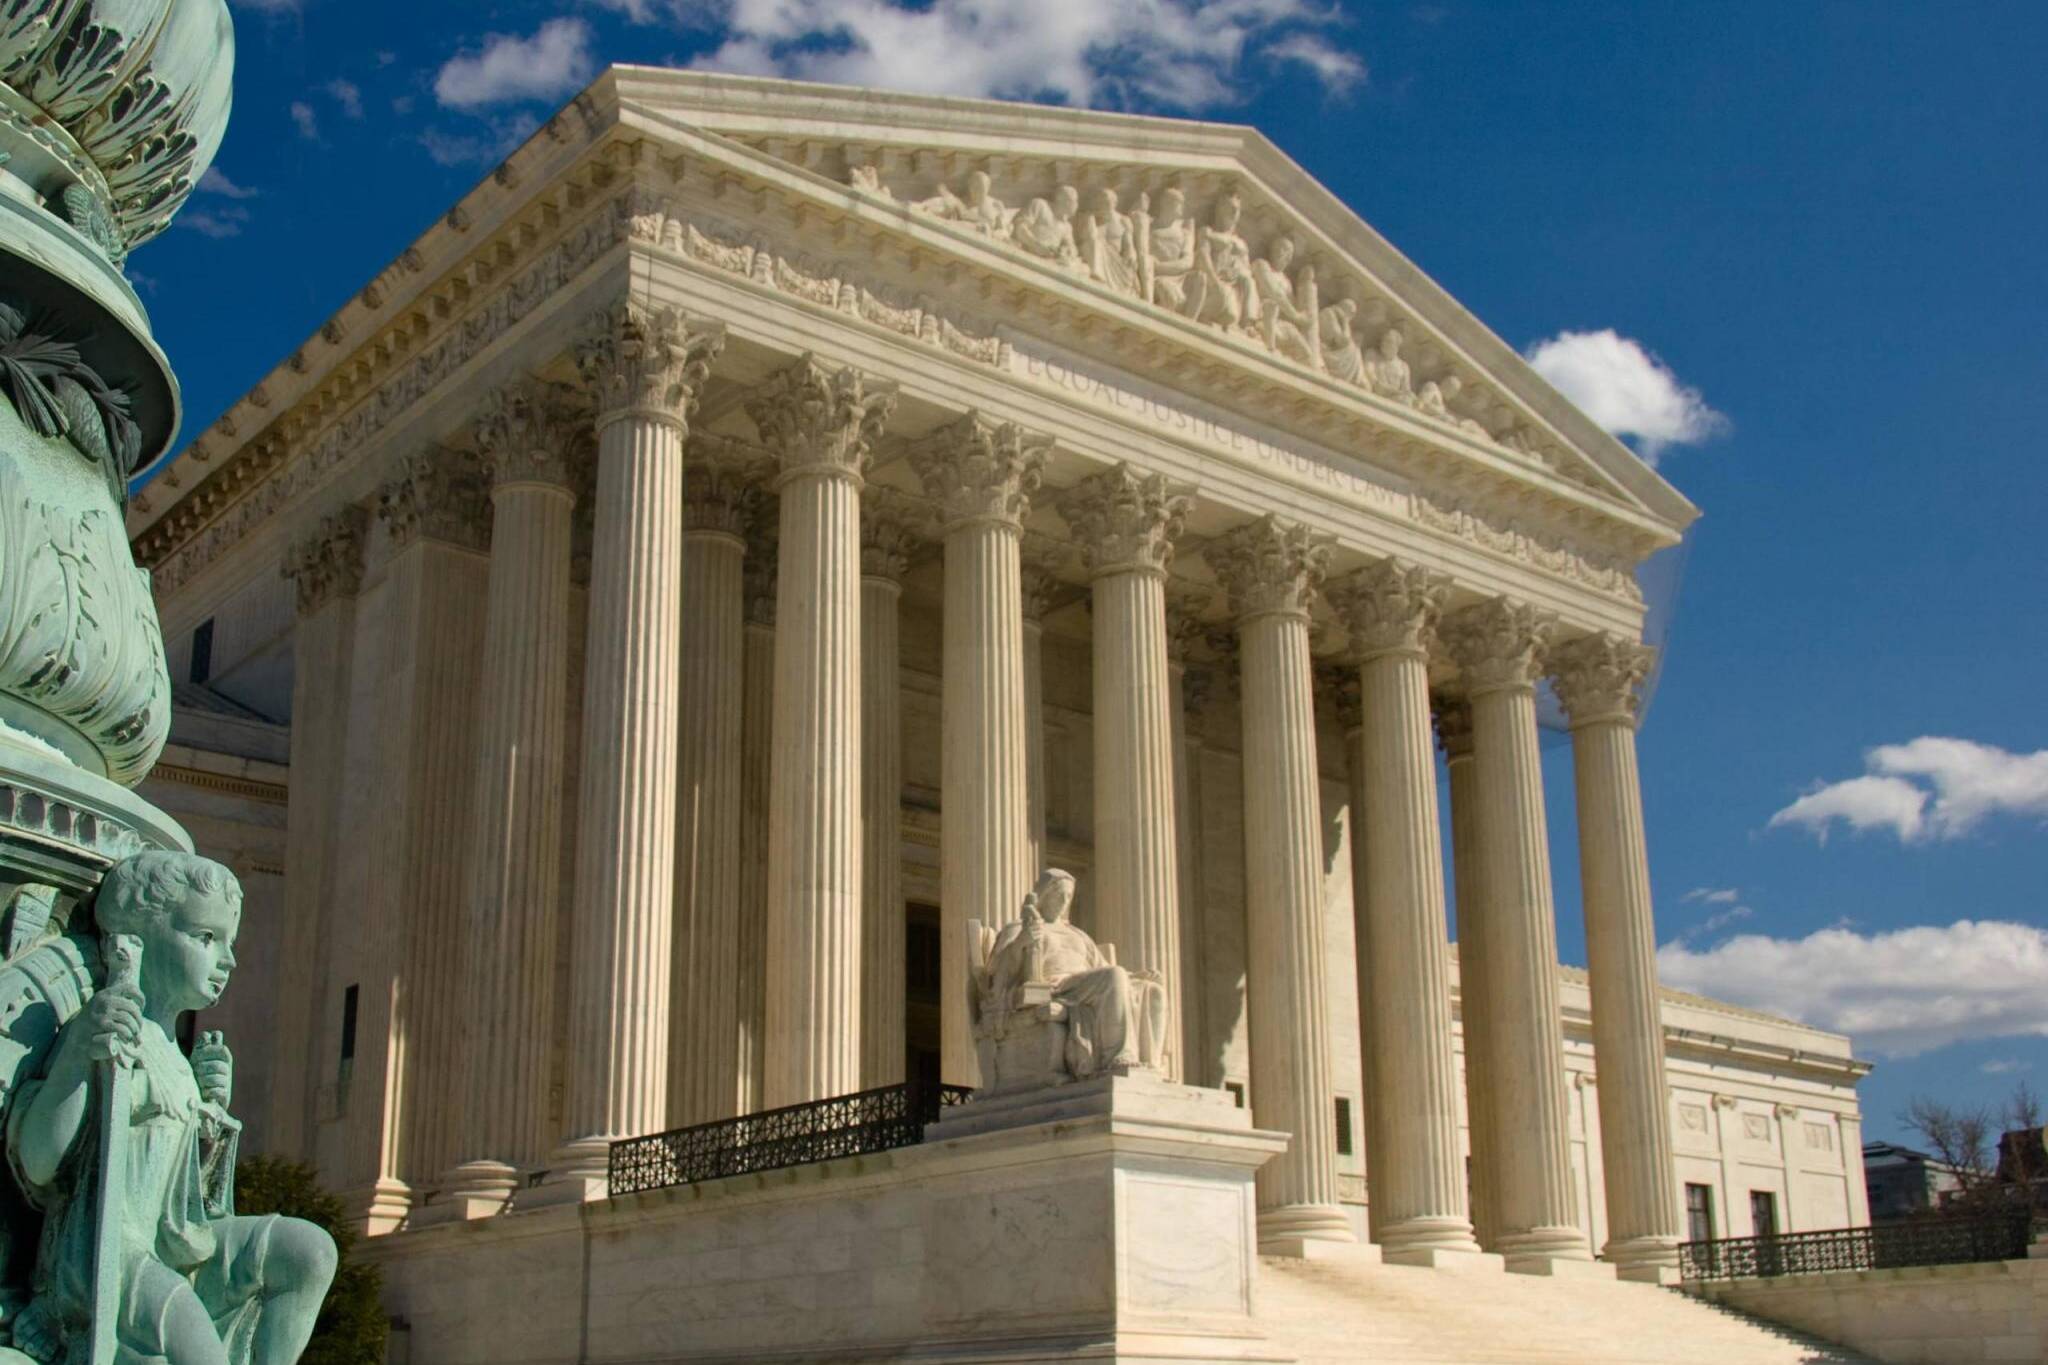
1763 1213
202 651
1699 1212
1236 1089
1343 1126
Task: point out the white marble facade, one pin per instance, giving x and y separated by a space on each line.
1210 534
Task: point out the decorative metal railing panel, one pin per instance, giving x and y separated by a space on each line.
1951 1240
796 1135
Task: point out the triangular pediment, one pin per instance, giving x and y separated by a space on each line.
1182 223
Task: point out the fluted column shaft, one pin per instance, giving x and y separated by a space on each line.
1375 1140
1039 585
1270 569
1419 1200
1454 727
817 425
756 744
1126 523
529 434
982 475
704 1052
1183 623
884 547
327 569
1597 680
645 367
1497 645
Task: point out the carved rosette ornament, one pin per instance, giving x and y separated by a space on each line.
1126 520
981 471
531 431
817 421
328 563
1498 644
646 362
1391 607
1270 567
437 495
1600 678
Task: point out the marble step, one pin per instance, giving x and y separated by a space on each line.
1350 1308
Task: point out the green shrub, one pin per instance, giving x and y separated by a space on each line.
352 1324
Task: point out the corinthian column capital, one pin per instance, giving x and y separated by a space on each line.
721 490
1185 628
646 362
981 471
1041 559
531 431
1269 567
888 538
1498 644
1390 607
436 495
328 562
1600 677
1126 520
819 421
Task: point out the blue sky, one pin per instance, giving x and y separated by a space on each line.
1814 232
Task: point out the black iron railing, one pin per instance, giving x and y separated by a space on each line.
1950 1240
796 1135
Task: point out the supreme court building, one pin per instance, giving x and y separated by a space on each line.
761 525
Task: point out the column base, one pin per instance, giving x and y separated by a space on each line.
1288 1229
475 1189
1428 1233
379 1207
1551 1251
1445 1258
579 1172
1645 1254
1665 1275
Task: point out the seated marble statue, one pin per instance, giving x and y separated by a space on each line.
1052 1005
196 1284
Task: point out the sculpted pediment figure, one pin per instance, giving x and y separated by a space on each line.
1051 1005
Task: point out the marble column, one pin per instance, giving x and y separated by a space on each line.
886 544
757 732
1454 735
1184 626
1344 688
1271 569
529 434
982 475
1126 522
412 898
1598 679
1038 575
1418 1200
1497 646
818 424
718 498
326 567
644 367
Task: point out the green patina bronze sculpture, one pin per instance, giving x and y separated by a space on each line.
118 1238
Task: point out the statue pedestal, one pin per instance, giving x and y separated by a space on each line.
1104 1220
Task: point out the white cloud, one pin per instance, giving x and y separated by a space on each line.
216 181
1626 390
225 220
463 149
1928 788
1711 895
1181 54
509 69
1898 993
2000 1066
348 95
308 121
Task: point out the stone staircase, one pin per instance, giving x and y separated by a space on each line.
1350 1308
